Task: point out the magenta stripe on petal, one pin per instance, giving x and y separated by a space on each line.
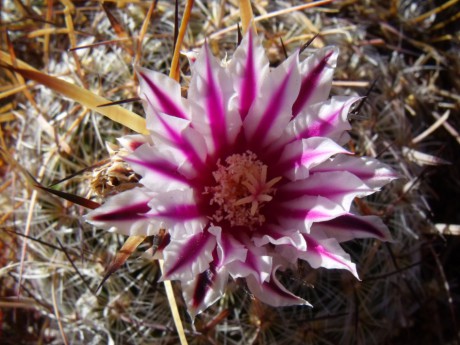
332 185
179 140
253 262
373 173
327 191
305 158
322 127
133 142
173 135
215 108
227 243
249 83
182 144
160 166
350 222
135 145
272 111
166 104
373 176
178 212
190 252
310 215
314 246
310 156
309 84
204 283
164 242
125 213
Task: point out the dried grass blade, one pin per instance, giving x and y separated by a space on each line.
434 11
9 60
173 306
97 44
174 73
47 38
119 30
271 15
72 198
246 15
13 91
143 31
69 10
86 98
120 258
19 77
123 101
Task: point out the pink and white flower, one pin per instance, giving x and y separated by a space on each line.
248 174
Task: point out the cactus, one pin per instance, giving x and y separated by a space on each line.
402 57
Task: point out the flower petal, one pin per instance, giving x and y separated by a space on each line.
162 92
302 212
273 293
278 236
271 111
205 289
211 90
372 172
350 226
316 72
257 264
126 213
340 187
178 212
177 132
189 256
326 252
327 119
300 156
132 142
248 67
228 247
159 167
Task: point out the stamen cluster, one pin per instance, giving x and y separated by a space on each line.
241 190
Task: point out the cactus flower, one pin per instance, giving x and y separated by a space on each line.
248 174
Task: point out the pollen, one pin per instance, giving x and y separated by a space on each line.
241 190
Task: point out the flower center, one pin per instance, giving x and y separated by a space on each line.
241 190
